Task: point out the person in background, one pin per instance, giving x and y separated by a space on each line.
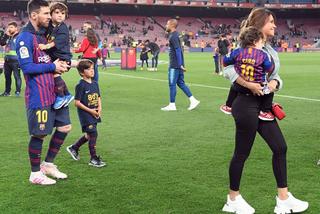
154 49
11 64
223 46
89 25
216 60
144 55
105 54
177 69
90 50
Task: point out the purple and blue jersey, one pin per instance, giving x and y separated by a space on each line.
37 68
252 64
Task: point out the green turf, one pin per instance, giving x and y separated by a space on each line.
165 162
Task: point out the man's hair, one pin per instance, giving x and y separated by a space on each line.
173 22
35 5
83 65
88 23
249 36
59 6
13 23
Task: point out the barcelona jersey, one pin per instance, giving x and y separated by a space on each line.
37 68
88 94
252 64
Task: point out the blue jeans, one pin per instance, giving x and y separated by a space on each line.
96 74
176 77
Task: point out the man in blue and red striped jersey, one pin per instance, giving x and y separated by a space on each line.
39 94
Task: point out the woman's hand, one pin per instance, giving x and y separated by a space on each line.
255 88
273 85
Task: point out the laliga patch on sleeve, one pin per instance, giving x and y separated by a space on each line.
24 53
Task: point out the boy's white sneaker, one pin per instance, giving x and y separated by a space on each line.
40 179
193 103
290 205
238 206
51 170
170 107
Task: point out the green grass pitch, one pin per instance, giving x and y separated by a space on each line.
166 162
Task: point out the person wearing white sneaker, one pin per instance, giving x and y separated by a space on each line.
40 94
40 179
193 103
290 205
170 107
52 170
237 205
177 69
245 110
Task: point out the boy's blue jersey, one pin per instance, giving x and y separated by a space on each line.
250 63
37 68
175 52
60 36
88 94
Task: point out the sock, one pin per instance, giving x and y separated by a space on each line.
59 86
79 143
92 143
56 141
35 147
192 99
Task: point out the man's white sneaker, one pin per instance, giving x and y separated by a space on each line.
290 205
170 107
40 179
51 170
238 206
193 104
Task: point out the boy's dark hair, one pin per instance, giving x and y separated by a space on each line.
13 24
83 65
249 36
59 6
35 5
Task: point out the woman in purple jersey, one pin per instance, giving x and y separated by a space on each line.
245 110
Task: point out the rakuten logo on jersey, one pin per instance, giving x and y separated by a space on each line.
44 59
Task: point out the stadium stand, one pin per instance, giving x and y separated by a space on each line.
204 26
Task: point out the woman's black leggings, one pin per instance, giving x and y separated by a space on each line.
245 110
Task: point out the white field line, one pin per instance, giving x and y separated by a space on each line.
204 86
